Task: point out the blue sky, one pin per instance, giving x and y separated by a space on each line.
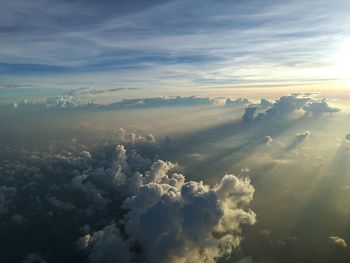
172 44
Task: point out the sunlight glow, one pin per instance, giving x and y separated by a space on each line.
342 63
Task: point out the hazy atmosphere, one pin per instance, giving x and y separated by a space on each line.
174 131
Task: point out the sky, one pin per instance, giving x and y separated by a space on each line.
171 131
174 45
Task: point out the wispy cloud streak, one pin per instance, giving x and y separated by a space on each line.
199 42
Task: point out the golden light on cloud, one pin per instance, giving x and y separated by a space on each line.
338 241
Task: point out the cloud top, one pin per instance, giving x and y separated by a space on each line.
173 220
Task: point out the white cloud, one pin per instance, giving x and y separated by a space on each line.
281 107
177 221
286 105
338 241
301 136
320 107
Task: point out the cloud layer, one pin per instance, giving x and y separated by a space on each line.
124 203
172 220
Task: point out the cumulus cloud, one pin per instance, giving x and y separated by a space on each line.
134 138
194 222
236 102
106 246
33 258
59 102
121 192
17 218
268 140
282 106
90 190
347 137
320 107
298 139
86 154
60 204
6 196
264 103
301 136
338 241
62 102
288 104
249 113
